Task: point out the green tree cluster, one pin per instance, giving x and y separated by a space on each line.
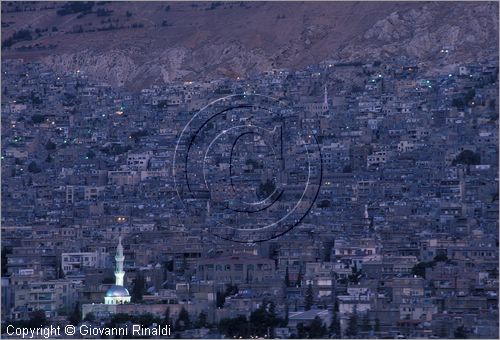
138 288
265 189
37 319
419 268
334 329
352 325
220 297
316 329
467 157
34 168
309 298
261 323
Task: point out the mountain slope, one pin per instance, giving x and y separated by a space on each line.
137 44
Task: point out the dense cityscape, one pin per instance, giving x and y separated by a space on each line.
374 184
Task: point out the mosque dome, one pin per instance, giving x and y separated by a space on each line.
117 291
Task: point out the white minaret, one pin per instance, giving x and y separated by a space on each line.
118 294
325 96
119 273
325 100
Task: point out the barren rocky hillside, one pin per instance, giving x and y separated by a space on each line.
135 43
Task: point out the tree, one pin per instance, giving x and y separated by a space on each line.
365 323
317 328
220 299
90 317
169 266
419 268
60 272
235 327
183 321
231 289
90 154
460 333
287 313
352 324
253 163
324 204
287 278
356 88
136 135
309 298
469 96
138 288
146 319
108 280
467 157
458 103
334 329
347 169
118 319
328 245
166 318
461 102
5 251
440 258
80 7
443 330
356 274
37 118
202 320
21 35
38 318
301 331
377 325
264 319
50 145
33 167
298 283
265 189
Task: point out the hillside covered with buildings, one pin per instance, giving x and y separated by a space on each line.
338 198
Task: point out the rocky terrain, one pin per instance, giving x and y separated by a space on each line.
137 44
